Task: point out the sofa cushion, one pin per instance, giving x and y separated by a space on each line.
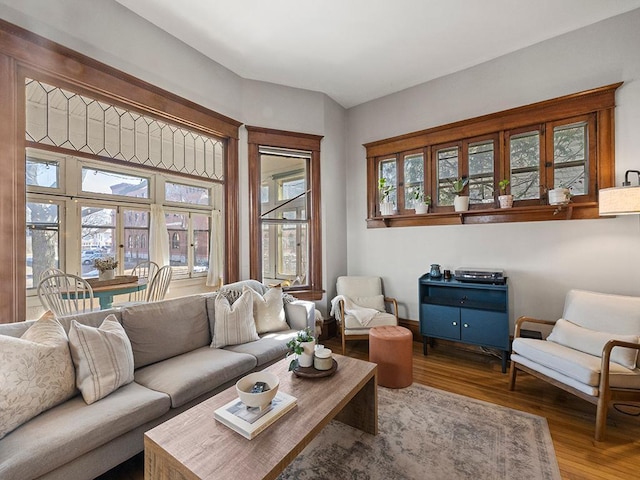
36 372
102 356
592 342
186 377
93 319
582 367
271 346
161 330
74 428
268 310
234 324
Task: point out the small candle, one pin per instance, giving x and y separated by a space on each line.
322 359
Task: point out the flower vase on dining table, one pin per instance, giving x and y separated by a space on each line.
107 275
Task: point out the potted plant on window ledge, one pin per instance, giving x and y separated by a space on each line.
386 206
422 201
506 200
460 202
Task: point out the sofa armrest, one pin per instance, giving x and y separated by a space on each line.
301 314
522 320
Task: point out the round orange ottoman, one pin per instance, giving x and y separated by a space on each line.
391 347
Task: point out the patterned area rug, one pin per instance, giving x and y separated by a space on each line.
426 433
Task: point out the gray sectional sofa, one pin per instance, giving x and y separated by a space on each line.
175 368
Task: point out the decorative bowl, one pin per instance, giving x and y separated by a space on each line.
245 384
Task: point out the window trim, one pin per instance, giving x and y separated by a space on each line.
598 104
266 137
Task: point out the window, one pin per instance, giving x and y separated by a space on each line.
43 239
114 119
284 179
537 148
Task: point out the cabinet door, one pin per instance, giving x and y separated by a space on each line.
483 327
439 321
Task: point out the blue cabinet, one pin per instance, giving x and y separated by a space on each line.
473 313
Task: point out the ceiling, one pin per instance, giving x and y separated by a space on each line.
359 50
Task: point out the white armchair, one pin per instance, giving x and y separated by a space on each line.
592 351
360 306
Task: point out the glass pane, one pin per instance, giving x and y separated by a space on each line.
524 157
136 238
388 169
201 242
177 225
283 185
43 240
570 157
98 237
447 164
285 247
481 167
176 192
413 180
112 183
42 173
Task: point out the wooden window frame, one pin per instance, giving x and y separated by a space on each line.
266 137
22 54
595 106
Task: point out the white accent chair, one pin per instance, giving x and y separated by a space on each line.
366 292
592 351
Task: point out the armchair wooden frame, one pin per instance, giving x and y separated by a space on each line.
363 336
606 393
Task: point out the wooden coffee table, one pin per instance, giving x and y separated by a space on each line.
193 445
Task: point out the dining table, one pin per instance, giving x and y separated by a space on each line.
105 291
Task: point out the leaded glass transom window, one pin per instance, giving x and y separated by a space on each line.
61 118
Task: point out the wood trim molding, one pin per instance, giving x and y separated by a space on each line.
258 136
25 53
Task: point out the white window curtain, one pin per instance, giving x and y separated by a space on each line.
158 237
214 277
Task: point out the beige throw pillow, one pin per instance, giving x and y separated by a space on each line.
234 324
592 342
36 372
268 311
102 356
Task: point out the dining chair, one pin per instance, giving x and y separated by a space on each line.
49 271
65 294
159 285
145 270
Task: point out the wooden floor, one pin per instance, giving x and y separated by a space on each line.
478 375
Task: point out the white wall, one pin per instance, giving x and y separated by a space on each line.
108 32
542 259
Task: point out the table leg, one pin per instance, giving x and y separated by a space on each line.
362 410
106 301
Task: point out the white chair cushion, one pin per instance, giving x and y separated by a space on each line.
376 302
359 286
102 356
618 314
592 342
579 366
354 327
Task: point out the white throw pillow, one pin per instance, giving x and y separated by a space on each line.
592 342
376 302
234 324
36 372
268 311
103 358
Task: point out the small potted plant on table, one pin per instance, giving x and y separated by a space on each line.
303 347
106 268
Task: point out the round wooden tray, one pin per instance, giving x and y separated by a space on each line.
310 372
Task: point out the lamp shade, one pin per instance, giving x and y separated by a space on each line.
619 201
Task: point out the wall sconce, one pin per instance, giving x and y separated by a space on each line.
624 200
